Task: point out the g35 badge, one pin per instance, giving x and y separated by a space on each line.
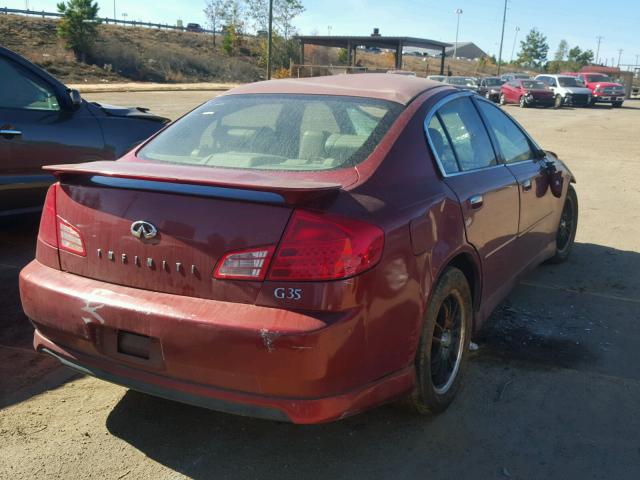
282 293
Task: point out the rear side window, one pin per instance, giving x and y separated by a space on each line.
442 146
468 136
276 132
513 144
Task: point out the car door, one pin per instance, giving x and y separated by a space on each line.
509 88
37 130
487 190
536 228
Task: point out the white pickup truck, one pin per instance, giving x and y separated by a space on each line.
567 89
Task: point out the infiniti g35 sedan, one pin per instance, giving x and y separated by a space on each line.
298 250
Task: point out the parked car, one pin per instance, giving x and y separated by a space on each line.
489 88
42 121
194 27
508 77
603 89
299 250
403 72
466 83
567 90
526 93
437 78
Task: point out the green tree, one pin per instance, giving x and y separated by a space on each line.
78 25
533 49
561 52
577 56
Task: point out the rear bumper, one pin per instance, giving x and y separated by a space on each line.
243 359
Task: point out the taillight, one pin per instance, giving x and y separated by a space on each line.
318 246
245 264
48 232
58 232
69 238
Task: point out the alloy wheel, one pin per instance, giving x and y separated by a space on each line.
565 229
447 343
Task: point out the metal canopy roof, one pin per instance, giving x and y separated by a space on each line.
371 41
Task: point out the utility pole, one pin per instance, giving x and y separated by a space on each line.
329 28
619 56
513 50
458 12
114 9
504 20
270 42
599 38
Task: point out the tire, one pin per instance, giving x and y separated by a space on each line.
436 387
617 104
557 102
523 103
566 234
503 100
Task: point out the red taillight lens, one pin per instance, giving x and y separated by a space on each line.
245 265
58 232
48 232
319 246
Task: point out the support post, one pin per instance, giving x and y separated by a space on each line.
270 40
349 54
442 62
301 52
399 56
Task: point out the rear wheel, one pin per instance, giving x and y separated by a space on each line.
567 228
444 344
523 102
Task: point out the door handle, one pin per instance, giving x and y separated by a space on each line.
526 185
10 132
476 201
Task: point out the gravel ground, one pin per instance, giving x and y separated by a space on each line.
553 391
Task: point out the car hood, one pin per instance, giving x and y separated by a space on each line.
129 112
577 90
606 84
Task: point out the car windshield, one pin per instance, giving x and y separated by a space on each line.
493 82
532 84
598 78
466 82
521 75
568 82
275 132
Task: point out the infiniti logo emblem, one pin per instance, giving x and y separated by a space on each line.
142 229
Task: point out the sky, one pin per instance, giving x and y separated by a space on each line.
579 22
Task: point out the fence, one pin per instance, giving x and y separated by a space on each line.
134 23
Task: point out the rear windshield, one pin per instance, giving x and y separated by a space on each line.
465 82
276 132
493 82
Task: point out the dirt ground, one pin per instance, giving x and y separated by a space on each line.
553 391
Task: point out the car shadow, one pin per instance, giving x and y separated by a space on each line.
539 329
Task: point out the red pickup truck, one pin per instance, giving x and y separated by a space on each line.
603 89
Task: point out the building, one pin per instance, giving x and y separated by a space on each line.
466 50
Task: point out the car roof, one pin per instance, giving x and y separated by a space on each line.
395 88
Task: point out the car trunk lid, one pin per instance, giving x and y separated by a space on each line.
198 220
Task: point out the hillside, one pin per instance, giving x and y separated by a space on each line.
127 53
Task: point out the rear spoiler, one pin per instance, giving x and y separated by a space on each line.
277 188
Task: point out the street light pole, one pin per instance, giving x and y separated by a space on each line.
270 41
619 56
599 38
458 12
504 20
513 49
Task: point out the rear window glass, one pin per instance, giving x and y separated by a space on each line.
276 132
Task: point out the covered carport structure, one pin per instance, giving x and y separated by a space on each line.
351 43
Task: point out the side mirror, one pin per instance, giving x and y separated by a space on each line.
76 99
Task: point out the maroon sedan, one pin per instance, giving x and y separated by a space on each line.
298 250
527 93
